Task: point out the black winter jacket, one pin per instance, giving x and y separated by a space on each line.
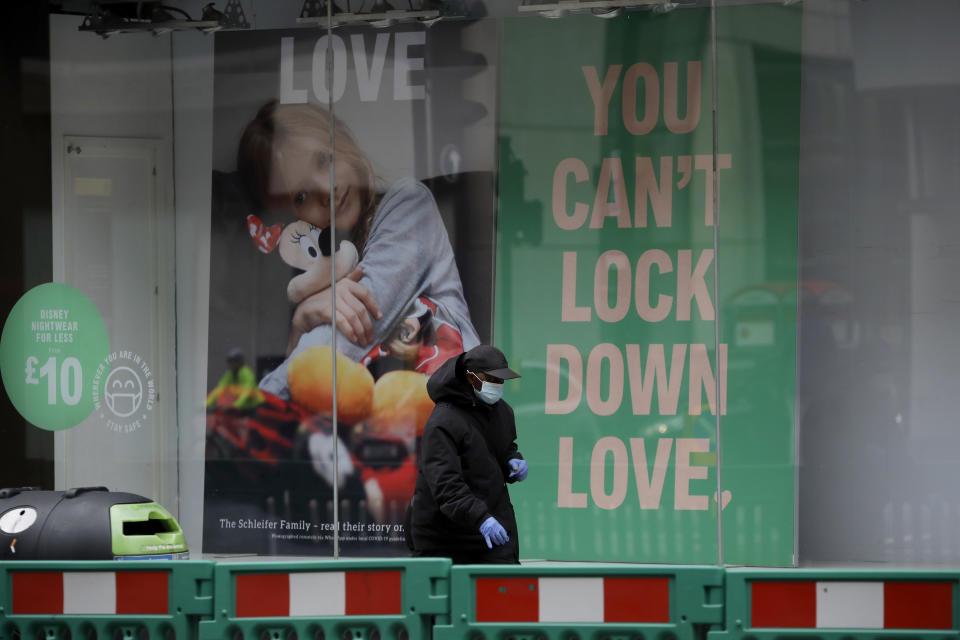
464 468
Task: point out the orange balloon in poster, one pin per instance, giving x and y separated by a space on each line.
310 377
401 402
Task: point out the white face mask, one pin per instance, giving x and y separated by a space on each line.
489 392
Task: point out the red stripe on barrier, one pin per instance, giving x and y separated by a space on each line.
263 595
636 600
37 592
918 605
142 592
507 600
783 604
371 593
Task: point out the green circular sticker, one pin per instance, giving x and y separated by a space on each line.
52 342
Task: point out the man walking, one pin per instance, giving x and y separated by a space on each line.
461 508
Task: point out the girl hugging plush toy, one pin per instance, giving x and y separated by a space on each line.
399 309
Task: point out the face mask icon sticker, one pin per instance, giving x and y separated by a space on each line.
123 392
17 519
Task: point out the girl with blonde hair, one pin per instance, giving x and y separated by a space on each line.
405 255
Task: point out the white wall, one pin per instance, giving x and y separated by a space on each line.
129 85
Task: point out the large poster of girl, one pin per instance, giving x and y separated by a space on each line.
405 127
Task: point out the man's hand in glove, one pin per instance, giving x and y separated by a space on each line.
493 532
518 468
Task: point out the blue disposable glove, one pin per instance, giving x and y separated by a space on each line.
493 532
518 468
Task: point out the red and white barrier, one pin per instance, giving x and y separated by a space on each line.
573 599
838 604
319 594
90 592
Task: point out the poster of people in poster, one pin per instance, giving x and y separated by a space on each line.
413 156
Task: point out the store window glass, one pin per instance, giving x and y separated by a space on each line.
715 239
88 351
605 290
877 248
107 328
758 100
353 213
848 107
561 208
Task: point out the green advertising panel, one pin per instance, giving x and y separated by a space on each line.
53 343
605 295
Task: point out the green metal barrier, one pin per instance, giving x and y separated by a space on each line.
427 599
812 604
390 598
104 600
582 601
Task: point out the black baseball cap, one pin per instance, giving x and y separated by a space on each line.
489 360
